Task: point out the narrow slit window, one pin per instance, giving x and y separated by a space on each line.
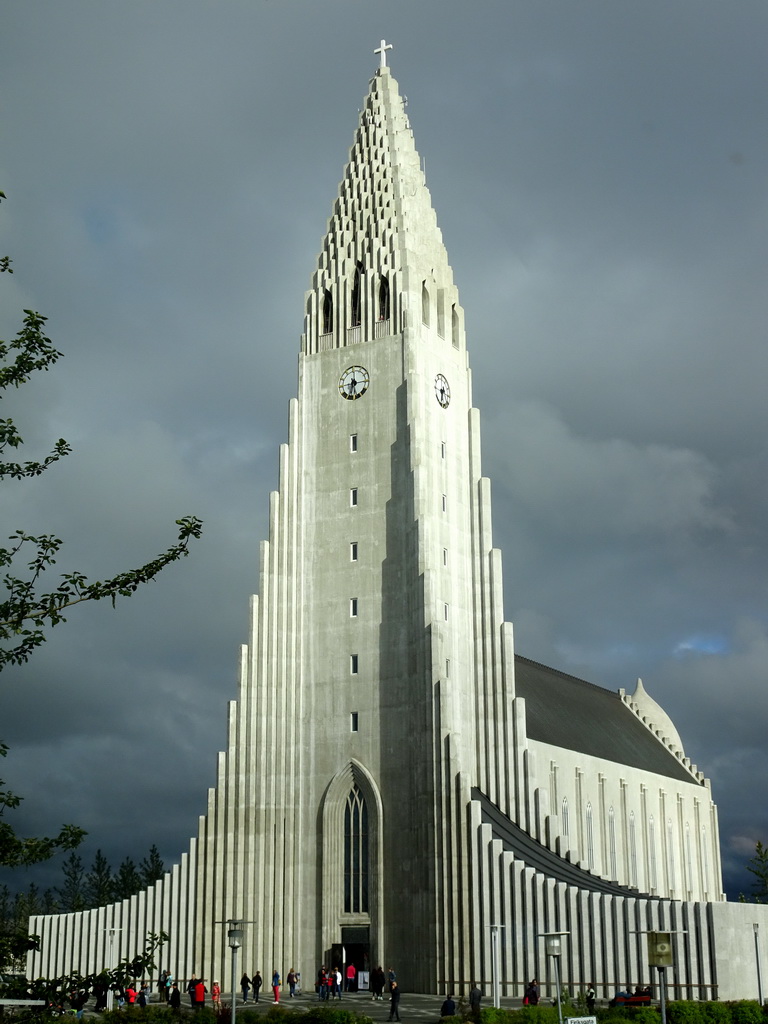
445 611
327 313
353 496
354 663
442 450
353 607
357 297
445 503
354 721
353 442
445 556
353 551
383 298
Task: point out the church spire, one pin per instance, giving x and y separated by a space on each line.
383 254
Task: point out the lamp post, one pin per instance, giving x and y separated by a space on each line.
495 988
552 947
756 928
235 940
110 993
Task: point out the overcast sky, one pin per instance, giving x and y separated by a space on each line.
598 168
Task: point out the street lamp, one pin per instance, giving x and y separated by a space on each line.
552 947
495 963
756 927
235 941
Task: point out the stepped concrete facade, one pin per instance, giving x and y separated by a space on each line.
399 786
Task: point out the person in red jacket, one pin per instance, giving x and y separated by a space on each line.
200 991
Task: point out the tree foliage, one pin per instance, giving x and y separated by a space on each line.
758 866
26 610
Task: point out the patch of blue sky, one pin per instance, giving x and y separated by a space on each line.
702 643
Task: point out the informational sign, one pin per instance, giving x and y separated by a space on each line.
581 1020
362 980
660 949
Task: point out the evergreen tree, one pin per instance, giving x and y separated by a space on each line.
151 868
127 880
758 866
71 896
99 883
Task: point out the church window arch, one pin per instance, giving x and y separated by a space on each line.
425 304
357 296
564 816
384 310
327 312
590 836
351 852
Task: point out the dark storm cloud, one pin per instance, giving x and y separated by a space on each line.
598 173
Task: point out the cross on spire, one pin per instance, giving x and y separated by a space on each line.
383 51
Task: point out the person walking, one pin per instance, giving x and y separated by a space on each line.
276 985
475 995
591 996
174 999
291 979
394 1001
216 995
256 982
245 987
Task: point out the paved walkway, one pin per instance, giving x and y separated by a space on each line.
413 1007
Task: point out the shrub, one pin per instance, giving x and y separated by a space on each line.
716 1013
683 1011
536 1015
746 1011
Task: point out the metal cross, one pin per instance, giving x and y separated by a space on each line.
383 51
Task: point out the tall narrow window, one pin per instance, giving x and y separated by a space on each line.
445 503
353 442
612 843
353 607
455 327
590 837
354 663
353 721
356 853
564 817
425 304
441 313
652 853
632 851
353 496
327 312
357 297
442 449
445 556
445 611
671 869
353 551
383 298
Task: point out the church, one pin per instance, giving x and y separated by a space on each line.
399 786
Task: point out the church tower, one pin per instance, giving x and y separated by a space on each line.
378 658
399 788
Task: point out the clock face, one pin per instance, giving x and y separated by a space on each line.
442 390
353 383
